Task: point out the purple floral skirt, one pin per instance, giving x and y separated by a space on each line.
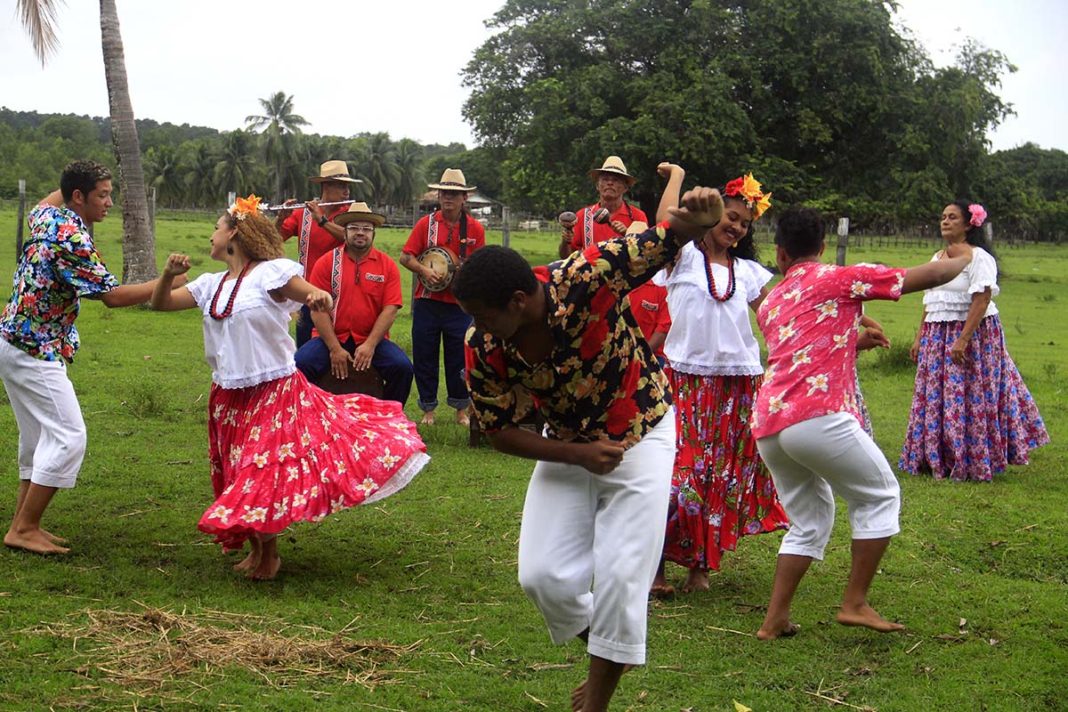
968 422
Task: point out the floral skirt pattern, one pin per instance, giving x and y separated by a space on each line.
285 451
968 422
720 488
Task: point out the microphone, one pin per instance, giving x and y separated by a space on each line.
568 219
602 216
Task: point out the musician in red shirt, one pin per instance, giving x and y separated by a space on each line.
613 182
315 227
366 287
436 317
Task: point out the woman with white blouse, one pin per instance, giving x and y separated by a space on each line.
721 489
281 450
971 413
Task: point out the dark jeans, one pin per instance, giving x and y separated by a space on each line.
392 364
304 326
434 323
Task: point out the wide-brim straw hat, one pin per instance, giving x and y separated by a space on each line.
637 227
614 165
359 212
334 171
452 179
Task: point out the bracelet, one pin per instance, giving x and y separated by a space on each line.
322 220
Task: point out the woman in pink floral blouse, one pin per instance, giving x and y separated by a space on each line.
281 450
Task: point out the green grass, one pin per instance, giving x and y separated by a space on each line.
434 567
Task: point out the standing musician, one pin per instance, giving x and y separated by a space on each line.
613 182
436 317
315 227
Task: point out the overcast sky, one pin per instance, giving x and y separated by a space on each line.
394 66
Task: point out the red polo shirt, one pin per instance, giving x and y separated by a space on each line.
648 304
448 235
603 231
361 290
319 240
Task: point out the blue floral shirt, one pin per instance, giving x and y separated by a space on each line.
59 264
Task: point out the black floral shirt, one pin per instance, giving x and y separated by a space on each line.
601 379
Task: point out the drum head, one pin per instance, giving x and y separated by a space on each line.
443 263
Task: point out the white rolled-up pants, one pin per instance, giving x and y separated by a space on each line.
814 460
589 545
51 428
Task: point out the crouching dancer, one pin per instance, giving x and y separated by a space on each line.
562 339
807 420
58 266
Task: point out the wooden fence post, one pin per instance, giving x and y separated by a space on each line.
506 234
843 241
22 218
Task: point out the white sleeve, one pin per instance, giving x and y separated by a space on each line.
276 274
202 288
983 272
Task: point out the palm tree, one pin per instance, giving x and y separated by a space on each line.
280 126
379 164
409 157
235 168
138 243
197 162
161 166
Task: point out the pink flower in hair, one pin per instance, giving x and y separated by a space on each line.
978 215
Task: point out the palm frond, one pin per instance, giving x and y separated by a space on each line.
39 19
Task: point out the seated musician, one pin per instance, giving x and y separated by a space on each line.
365 284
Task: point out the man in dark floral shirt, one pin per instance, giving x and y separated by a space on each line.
562 339
59 264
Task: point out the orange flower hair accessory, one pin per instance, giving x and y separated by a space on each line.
748 190
242 207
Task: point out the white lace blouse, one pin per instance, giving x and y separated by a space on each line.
708 337
951 301
252 345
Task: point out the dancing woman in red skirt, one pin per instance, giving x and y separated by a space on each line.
281 450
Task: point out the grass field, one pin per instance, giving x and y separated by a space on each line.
979 573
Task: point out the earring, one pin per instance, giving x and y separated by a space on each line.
229 250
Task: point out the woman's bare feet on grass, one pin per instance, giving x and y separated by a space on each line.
578 695
36 541
267 568
771 630
428 418
53 538
251 561
696 581
867 617
463 419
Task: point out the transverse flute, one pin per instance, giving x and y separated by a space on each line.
294 206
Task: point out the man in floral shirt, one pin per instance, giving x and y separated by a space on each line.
58 265
561 339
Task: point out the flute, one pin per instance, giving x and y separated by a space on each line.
294 206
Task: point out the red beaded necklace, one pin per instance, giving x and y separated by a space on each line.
233 295
712 291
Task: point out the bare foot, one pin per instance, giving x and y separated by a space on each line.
777 629
661 589
33 540
249 563
696 581
53 538
463 419
428 418
266 570
867 617
578 695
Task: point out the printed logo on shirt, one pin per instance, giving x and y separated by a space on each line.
374 277
650 306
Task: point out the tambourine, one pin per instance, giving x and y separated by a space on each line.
443 262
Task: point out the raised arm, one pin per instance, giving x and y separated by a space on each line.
164 295
937 273
670 197
299 290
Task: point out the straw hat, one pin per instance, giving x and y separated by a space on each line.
614 166
636 228
360 212
452 179
334 171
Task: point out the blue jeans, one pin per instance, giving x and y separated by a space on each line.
392 364
304 326
434 323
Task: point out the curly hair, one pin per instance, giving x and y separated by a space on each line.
258 236
492 275
800 232
746 247
82 176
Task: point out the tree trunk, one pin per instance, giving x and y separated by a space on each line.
138 242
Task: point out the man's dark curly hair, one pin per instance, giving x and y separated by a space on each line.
492 275
83 176
800 231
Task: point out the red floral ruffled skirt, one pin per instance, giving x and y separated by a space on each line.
285 451
720 488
